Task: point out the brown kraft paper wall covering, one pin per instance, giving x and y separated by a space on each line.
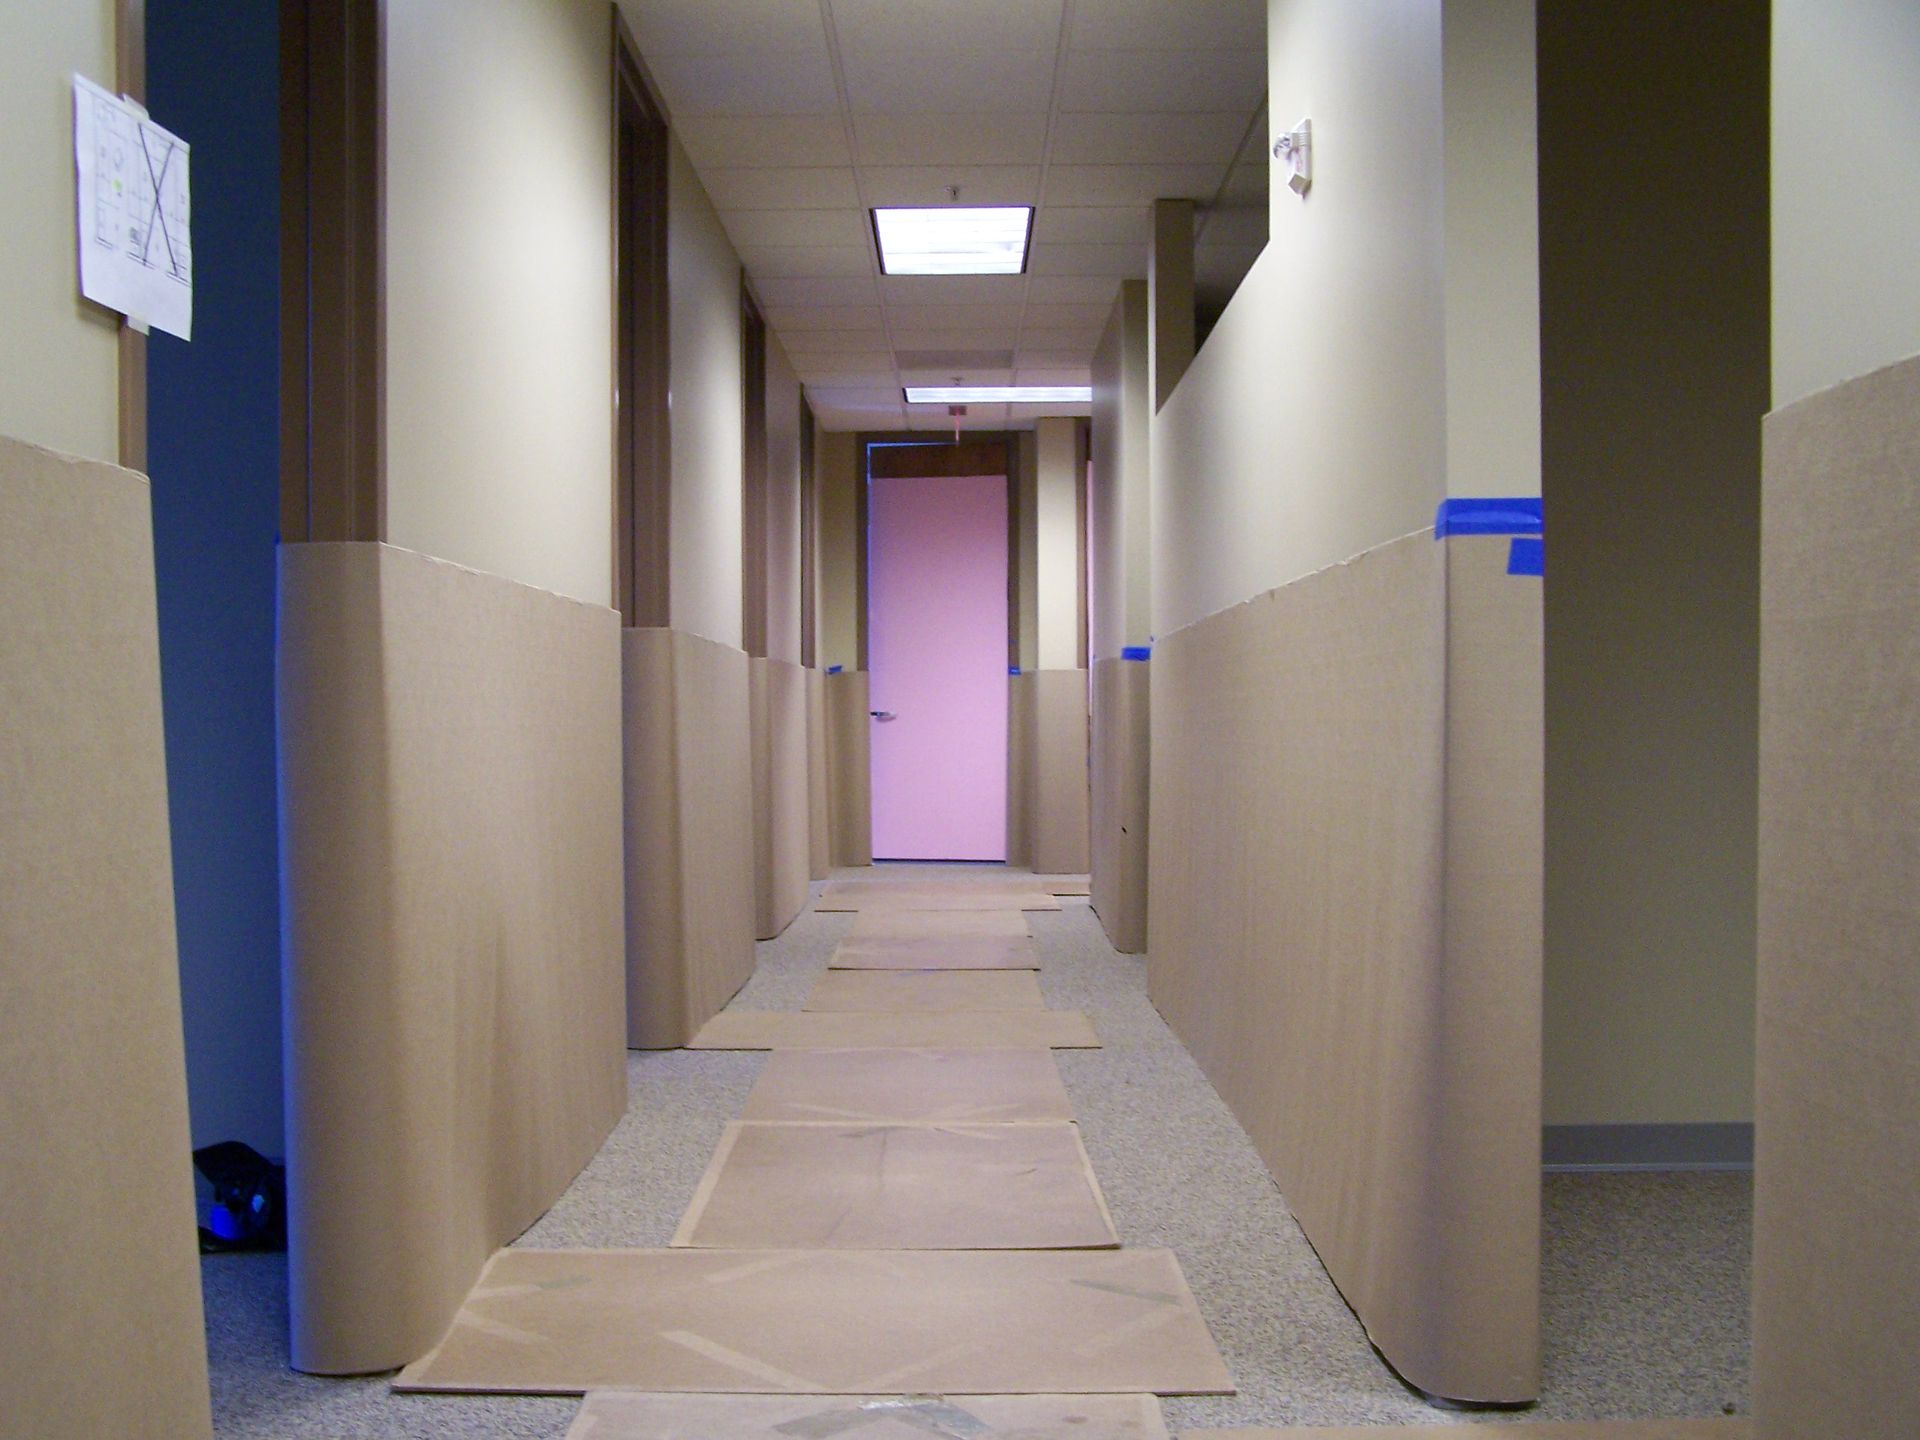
1047 771
1836 1242
781 841
819 783
1121 696
1345 929
849 775
452 901
100 1303
689 833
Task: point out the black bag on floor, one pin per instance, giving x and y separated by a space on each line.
249 1199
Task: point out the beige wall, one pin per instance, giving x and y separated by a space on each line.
783 505
59 360
499 296
1655 357
1119 499
1057 595
837 554
1492 244
1311 425
1026 622
1846 191
704 322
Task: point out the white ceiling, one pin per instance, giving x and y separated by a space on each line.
800 115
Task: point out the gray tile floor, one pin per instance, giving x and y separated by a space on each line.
1645 1276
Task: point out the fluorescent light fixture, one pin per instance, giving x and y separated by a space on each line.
953 240
999 394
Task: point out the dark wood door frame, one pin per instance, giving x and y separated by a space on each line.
642 435
332 436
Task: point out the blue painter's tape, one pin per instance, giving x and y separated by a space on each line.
835 669
1519 515
1527 556
1136 652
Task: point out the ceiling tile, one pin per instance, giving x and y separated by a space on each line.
798 189
1115 260
1073 290
866 26
1061 375
1041 359
795 227
998 138
1080 339
860 396
1133 138
1232 225
844 342
971 339
771 262
952 317
1072 317
948 81
846 366
1159 25
927 184
843 290
792 319
700 27
953 289
747 84
1131 184
1164 80
1095 225
764 140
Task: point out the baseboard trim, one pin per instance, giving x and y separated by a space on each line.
1709 1146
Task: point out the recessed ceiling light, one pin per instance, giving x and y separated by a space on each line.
953 240
999 394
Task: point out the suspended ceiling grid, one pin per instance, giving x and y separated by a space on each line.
799 115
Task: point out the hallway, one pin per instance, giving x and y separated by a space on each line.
1645 1292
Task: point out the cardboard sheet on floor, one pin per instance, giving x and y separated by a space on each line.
847 1322
1065 884
983 952
855 1030
1001 924
1718 1428
861 1186
927 990
935 895
635 1415
909 1085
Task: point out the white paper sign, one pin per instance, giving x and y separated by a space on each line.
136 247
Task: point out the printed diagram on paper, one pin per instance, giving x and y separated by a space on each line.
136 246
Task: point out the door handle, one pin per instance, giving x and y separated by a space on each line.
883 714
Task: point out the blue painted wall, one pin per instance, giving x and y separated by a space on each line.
213 78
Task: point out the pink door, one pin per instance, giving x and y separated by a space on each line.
937 658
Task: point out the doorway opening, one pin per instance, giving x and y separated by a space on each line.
937 571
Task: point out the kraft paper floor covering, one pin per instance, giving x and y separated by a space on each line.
627 1415
1002 923
953 952
927 990
909 1085
852 1029
895 895
1719 1429
898 1187
828 1321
